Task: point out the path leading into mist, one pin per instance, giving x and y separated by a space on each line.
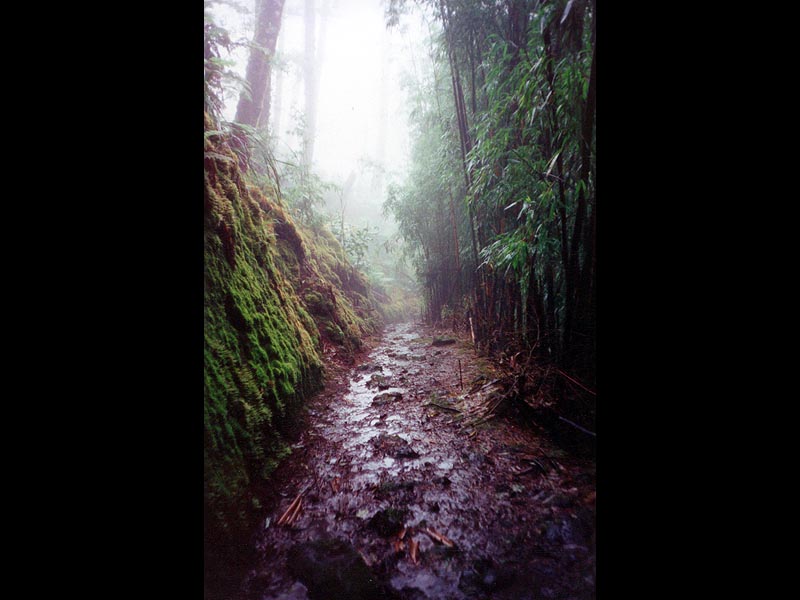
518 511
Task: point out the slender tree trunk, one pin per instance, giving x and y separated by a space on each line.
383 118
453 221
552 324
309 80
473 95
454 228
517 28
458 95
279 79
585 291
254 108
576 298
535 301
481 305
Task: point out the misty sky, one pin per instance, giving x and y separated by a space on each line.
359 56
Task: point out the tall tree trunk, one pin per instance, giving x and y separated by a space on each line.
254 108
383 118
517 28
585 293
312 69
277 113
552 325
309 80
473 92
454 227
576 299
481 304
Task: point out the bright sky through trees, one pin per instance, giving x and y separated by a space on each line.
362 65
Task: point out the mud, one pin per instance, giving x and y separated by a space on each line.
489 510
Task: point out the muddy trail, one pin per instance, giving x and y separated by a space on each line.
393 490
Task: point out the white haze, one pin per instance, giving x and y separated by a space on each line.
358 55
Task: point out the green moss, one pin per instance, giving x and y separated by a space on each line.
273 292
260 349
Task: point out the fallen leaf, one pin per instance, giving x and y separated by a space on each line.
336 484
399 546
402 534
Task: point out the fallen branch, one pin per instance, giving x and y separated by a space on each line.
578 383
482 420
535 462
413 547
295 514
442 406
438 537
292 507
524 472
593 434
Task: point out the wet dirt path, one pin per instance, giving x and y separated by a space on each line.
380 456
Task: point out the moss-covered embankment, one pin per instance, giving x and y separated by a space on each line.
274 295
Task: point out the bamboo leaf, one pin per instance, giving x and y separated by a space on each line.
566 11
552 163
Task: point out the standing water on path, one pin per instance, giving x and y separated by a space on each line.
389 494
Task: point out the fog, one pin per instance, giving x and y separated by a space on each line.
361 138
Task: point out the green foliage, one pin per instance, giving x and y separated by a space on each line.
303 189
428 204
521 75
304 193
274 291
218 76
251 146
355 241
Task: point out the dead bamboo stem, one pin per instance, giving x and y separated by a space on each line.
295 514
284 518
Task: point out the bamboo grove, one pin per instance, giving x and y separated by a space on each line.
499 207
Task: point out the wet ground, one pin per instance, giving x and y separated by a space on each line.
436 505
